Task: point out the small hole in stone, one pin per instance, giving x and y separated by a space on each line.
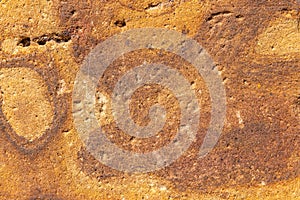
24 42
120 23
42 42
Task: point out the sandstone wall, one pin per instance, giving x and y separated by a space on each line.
255 45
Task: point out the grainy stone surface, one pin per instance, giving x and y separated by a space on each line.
256 48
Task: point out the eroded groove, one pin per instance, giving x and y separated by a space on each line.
57 37
152 6
213 15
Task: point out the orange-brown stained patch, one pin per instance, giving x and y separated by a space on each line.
259 150
160 95
93 21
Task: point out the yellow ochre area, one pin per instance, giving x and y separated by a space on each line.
145 187
26 18
183 16
281 37
25 102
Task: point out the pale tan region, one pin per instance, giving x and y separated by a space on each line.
25 102
281 37
26 18
164 14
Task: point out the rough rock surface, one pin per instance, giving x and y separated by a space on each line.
256 48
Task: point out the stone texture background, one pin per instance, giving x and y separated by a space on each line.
256 46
